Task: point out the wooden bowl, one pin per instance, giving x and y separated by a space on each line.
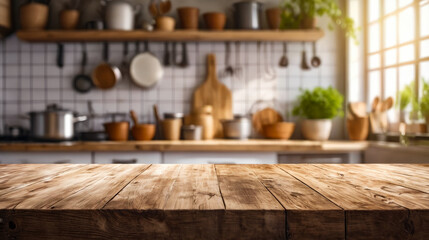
165 23
143 132
188 17
215 20
117 131
280 130
273 17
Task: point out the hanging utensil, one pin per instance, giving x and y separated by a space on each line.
145 69
229 70
124 64
315 61
83 83
60 55
105 75
174 54
185 61
270 73
284 61
238 69
304 64
166 54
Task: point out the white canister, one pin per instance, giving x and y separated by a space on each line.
119 15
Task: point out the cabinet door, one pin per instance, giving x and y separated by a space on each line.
128 158
312 158
45 157
220 158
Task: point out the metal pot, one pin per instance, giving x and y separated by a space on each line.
119 15
54 124
247 15
238 128
192 132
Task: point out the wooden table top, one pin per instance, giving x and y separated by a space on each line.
294 146
309 201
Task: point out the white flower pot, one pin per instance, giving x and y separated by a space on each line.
316 129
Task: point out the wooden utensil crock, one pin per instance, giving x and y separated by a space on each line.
171 128
273 17
165 24
188 17
69 19
358 128
33 16
203 117
5 18
215 20
117 131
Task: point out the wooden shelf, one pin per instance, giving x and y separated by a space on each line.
180 35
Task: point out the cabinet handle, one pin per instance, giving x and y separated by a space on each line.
124 161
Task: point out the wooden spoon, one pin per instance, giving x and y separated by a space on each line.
358 109
134 117
375 104
387 104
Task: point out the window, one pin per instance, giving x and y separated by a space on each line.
397 45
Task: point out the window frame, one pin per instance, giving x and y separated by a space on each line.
416 42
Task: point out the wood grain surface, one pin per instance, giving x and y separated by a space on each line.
308 201
178 35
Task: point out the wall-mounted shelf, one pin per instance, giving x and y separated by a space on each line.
179 35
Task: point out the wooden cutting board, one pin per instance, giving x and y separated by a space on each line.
214 93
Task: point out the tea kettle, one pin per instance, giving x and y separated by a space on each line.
119 14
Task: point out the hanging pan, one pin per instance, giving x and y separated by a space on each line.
145 69
105 75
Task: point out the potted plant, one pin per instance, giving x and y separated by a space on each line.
318 107
302 14
69 17
424 102
406 97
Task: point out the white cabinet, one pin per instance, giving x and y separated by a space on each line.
45 157
128 157
320 158
220 158
396 153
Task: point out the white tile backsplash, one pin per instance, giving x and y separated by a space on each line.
30 78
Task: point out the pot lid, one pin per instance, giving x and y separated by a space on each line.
53 108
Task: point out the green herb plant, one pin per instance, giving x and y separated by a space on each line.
294 11
424 101
320 103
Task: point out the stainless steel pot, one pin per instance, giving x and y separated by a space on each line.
192 132
238 128
247 15
53 124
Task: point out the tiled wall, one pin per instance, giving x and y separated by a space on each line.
30 79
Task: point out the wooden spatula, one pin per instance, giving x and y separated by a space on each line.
214 93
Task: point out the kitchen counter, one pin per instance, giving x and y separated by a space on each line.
214 201
289 146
